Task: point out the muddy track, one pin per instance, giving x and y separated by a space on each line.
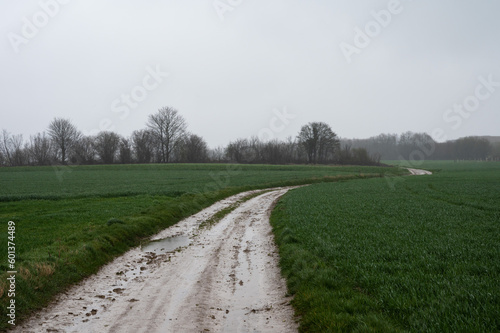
419 172
226 280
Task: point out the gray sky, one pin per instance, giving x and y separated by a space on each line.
238 68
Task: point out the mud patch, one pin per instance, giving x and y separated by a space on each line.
166 245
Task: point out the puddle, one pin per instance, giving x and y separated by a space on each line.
166 245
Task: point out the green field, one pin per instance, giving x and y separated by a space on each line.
384 254
418 254
71 220
63 182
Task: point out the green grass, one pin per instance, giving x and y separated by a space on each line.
418 254
71 221
64 182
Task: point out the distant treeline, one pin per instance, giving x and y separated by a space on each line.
417 146
165 139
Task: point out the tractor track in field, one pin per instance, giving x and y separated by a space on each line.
224 278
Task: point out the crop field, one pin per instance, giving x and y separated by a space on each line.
63 182
418 254
71 220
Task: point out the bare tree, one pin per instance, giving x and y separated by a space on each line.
106 145
278 152
6 147
64 134
19 155
12 150
235 151
319 142
83 151
272 152
290 151
124 151
217 154
253 153
193 149
143 144
245 151
40 149
168 126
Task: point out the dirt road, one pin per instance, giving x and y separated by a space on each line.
225 278
419 172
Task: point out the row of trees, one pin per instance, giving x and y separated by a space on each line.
408 145
166 139
316 143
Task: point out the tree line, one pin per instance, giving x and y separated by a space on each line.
415 146
165 139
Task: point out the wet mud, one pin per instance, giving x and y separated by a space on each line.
222 278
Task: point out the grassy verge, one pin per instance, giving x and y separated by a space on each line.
63 236
420 256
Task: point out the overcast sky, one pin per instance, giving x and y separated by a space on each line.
237 68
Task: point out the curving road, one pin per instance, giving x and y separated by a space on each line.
226 280
419 172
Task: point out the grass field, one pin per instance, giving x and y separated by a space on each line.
418 254
71 220
154 179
